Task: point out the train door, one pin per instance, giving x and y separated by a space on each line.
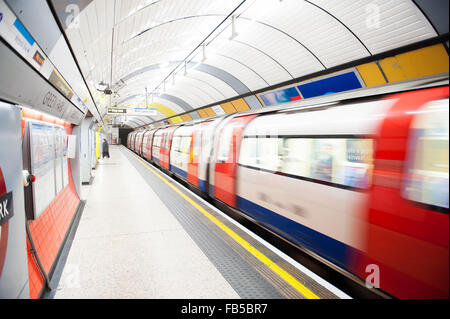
137 146
194 150
206 164
144 144
156 145
162 153
141 142
165 147
135 143
226 159
133 136
408 217
129 140
148 146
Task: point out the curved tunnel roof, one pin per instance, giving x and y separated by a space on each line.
178 55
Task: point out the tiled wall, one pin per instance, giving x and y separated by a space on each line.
48 231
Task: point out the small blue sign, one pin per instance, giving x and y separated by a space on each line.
19 26
1 17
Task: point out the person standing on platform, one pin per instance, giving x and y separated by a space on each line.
105 148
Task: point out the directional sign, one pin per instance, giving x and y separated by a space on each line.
114 110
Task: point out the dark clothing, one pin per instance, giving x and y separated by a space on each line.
105 149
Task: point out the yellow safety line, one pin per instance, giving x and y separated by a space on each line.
261 257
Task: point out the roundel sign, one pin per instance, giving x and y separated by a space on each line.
6 212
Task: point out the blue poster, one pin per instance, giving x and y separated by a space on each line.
338 83
281 96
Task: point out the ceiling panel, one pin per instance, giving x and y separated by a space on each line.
276 41
381 24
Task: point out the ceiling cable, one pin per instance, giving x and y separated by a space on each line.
200 44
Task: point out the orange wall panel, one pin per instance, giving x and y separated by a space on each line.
371 74
210 112
417 63
202 113
48 232
240 105
49 229
186 117
228 107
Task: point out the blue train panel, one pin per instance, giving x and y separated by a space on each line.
325 246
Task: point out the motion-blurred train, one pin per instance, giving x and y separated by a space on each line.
360 180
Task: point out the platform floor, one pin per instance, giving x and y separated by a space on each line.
142 235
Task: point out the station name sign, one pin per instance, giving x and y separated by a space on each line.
6 208
133 111
142 111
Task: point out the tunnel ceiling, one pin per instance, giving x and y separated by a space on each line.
142 46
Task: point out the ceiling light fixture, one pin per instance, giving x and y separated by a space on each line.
204 52
234 34
101 86
190 56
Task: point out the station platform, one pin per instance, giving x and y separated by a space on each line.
143 235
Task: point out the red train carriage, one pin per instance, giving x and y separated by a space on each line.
362 184
226 159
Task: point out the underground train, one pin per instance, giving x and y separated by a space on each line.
361 183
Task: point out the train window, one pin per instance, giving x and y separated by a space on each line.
180 144
267 153
187 144
225 143
145 139
335 160
248 152
164 141
144 144
176 141
168 140
323 158
427 173
260 152
197 143
158 141
342 161
295 156
358 163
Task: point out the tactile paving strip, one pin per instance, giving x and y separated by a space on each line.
249 277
